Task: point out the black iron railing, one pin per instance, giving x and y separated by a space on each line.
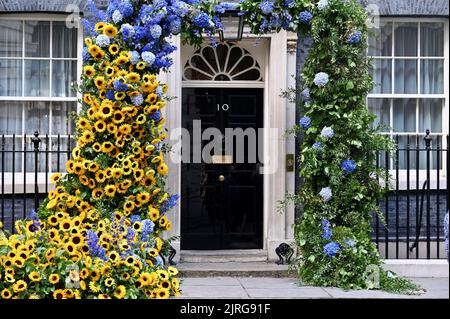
413 209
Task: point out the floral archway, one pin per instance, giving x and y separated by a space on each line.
99 234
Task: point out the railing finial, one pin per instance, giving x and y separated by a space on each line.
36 141
427 139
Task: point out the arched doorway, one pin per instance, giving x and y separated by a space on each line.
222 191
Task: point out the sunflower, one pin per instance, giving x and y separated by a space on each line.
113 49
106 110
175 283
165 284
100 82
99 26
58 294
114 256
99 56
109 71
65 225
76 239
97 147
153 214
109 282
78 169
141 119
84 180
102 94
53 279
34 276
120 292
68 294
138 174
93 287
89 71
133 77
107 147
119 96
110 190
110 30
94 50
70 248
100 126
6 294
151 98
163 169
97 193
141 65
95 275
121 60
143 197
162 293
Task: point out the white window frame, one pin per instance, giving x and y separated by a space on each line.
445 111
19 186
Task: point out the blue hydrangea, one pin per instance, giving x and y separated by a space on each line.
446 234
175 26
169 203
349 166
148 57
110 95
331 249
305 95
305 17
155 116
135 218
127 31
102 40
322 4
326 194
159 91
180 8
289 3
86 55
305 122
94 248
201 20
266 7
326 230
137 100
117 16
158 4
327 132
155 31
126 8
350 243
317 146
159 261
135 57
321 79
355 38
120 86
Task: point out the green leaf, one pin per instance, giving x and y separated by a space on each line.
350 85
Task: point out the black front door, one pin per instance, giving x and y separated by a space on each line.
222 196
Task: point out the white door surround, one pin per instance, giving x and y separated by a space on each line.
270 53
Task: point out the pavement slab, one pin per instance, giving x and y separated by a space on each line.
288 288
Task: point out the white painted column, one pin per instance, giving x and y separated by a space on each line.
173 113
275 117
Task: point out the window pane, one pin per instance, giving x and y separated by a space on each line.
382 75
405 39
404 113
64 73
10 117
405 76
430 115
64 41
10 77
381 108
11 34
37 79
37 117
432 39
10 157
380 44
62 121
37 39
432 76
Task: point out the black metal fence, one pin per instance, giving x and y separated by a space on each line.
413 209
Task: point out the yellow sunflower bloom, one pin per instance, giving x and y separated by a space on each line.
110 30
89 71
113 49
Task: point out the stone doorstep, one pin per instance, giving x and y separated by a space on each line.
234 269
404 268
223 256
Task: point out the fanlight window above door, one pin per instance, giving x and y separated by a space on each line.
226 62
